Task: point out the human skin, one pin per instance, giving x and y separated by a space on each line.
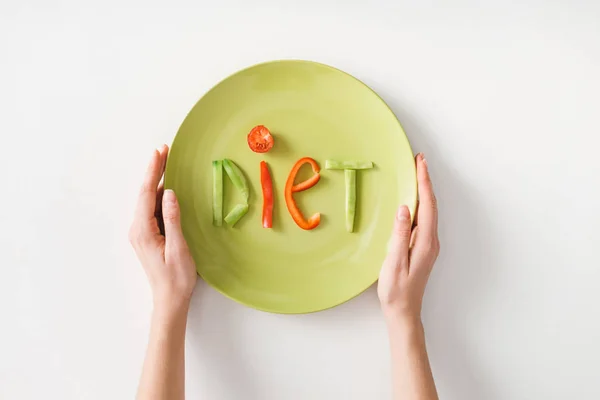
157 238
402 280
162 250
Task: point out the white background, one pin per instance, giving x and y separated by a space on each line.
503 99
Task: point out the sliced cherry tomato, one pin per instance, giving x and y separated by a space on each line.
267 190
260 139
290 188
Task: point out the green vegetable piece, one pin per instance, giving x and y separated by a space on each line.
236 214
350 178
350 168
237 177
217 202
332 164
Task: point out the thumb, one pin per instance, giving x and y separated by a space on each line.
174 240
399 242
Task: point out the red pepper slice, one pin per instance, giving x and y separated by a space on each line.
267 191
290 189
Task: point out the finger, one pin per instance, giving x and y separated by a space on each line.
427 215
416 216
147 199
163 151
397 256
174 240
158 210
159 196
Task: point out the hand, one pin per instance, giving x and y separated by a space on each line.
158 240
411 254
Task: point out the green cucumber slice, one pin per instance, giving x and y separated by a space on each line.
236 214
217 202
350 179
332 164
237 177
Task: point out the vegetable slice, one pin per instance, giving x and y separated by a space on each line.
237 177
292 207
350 179
307 184
236 214
332 164
267 191
349 168
260 139
217 203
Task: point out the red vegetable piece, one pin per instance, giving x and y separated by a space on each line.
307 184
260 139
267 190
292 207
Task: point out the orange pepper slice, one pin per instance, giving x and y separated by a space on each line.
290 189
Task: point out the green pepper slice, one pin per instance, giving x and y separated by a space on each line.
236 214
350 179
237 177
332 164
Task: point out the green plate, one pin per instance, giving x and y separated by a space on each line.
312 110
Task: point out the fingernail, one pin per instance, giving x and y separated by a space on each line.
403 213
169 196
423 159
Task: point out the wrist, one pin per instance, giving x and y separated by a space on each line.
404 331
170 307
402 320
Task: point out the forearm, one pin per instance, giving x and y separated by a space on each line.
411 372
163 375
